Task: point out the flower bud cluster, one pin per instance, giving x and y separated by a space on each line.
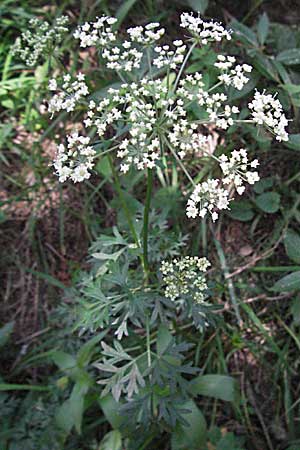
232 76
267 110
40 41
237 169
69 93
204 32
185 277
74 160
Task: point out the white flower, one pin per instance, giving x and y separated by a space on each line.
146 35
232 76
203 32
267 110
207 197
74 160
69 93
96 33
237 169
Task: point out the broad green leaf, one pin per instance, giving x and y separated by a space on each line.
292 245
63 360
293 142
263 28
295 310
268 202
110 409
289 57
85 352
164 338
198 5
241 210
111 441
290 282
263 185
103 167
291 88
124 10
244 33
71 411
265 66
192 436
221 387
5 332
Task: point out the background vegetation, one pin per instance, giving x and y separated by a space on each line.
47 232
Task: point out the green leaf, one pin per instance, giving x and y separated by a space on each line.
295 310
291 88
164 338
111 441
198 5
221 387
292 245
263 28
103 167
244 33
5 332
293 142
241 210
193 435
71 411
22 387
268 202
63 360
289 57
110 409
263 185
124 10
290 282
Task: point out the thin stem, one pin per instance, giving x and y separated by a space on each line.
183 65
123 201
146 222
148 342
180 163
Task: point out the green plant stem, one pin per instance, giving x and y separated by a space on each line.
123 201
146 223
183 65
148 342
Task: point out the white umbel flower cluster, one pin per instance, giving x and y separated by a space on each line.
169 58
146 35
267 110
207 197
204 32
98 33
185 277
75 160
40 40
238 169
232 76
68 93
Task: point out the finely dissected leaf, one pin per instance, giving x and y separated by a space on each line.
289 57
193 435
268 202
198 5
263 28
290 282
221 387
5 332
292 245
111 441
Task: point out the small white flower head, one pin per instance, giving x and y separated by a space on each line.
69 93
98 33
204 32
146 35
74 160
166 57
125 58
238 169
207 197
185 277
232 75
267 110
40 40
